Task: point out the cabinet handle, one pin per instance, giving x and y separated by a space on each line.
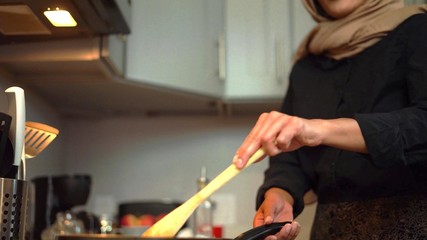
222 71
280 60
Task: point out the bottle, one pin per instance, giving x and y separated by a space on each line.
203 215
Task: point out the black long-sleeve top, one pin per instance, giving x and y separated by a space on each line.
384 89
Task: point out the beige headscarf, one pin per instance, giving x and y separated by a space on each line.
345 37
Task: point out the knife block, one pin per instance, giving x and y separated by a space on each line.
14 196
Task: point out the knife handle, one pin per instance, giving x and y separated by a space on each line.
16 110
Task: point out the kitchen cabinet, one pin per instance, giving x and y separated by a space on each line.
174 44
236 50
257 49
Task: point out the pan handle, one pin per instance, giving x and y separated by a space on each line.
261 232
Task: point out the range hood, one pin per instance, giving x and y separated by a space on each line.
101 57
24 20
98 41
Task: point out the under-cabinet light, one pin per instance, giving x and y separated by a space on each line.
60 18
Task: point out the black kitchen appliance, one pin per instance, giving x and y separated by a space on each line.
55 194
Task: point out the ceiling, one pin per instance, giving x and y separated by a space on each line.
88 88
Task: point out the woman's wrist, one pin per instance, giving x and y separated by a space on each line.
342 133
283 194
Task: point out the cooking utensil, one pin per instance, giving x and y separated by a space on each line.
169 225
16 109
6 158
37 137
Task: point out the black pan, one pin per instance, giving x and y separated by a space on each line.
258 233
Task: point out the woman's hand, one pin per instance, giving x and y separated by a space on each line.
277 132
277 207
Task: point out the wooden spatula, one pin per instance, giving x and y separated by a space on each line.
169 225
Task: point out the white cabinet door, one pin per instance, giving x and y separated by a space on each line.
258 46
174 44
261 39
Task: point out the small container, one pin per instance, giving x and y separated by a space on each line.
107 224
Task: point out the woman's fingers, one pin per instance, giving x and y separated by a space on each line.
286 138
251 143
275 132
289 231
263 134
276 124
295 229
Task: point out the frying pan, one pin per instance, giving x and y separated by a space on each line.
258 233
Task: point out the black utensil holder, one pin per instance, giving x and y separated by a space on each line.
14 195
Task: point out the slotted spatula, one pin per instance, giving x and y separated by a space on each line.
37 137
169 225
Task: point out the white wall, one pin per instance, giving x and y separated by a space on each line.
160 158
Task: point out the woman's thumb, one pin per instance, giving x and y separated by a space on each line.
262 217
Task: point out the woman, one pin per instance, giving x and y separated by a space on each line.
353 126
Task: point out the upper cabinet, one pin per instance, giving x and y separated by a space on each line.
257 49
231 49
174 44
